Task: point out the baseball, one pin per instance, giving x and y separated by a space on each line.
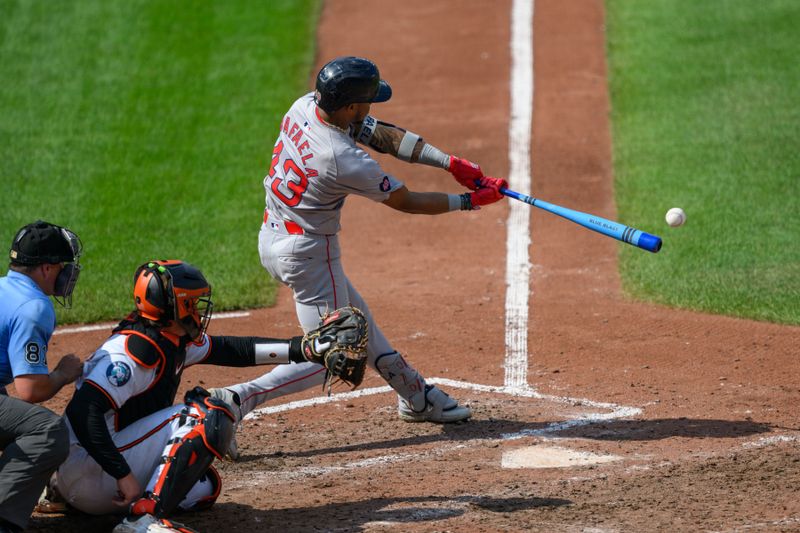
675 217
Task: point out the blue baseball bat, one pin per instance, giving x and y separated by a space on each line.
621 232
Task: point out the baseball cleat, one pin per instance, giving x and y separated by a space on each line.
233 448
439 408
148 523
50 500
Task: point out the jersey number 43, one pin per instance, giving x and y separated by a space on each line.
292 177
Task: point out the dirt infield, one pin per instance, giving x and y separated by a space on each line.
661 419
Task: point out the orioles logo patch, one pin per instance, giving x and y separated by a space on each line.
118 373
385 185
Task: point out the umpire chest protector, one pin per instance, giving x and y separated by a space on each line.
149 348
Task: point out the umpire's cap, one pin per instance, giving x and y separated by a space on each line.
350 80
41 242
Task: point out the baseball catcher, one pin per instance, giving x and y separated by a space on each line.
131 449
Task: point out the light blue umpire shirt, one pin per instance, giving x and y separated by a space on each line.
27 321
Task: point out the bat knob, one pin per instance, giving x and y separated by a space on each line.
651 243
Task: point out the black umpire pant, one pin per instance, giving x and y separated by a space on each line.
34 441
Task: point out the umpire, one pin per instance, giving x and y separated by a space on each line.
34 440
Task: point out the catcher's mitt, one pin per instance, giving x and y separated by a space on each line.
340 345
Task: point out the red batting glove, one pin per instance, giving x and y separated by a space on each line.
494 183
465 172
488 192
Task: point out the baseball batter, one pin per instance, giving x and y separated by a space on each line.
131 449
316 163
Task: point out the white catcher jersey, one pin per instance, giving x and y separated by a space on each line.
315 166
120 377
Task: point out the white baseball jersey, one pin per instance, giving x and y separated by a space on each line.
315 165
121 376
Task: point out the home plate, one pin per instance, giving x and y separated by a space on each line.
551 457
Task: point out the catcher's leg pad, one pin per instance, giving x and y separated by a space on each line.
217 422
204 493
190 458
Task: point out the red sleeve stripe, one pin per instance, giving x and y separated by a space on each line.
333 280
267 391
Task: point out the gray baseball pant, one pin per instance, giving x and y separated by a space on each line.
34 441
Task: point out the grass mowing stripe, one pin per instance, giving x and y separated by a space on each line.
706 116
146 127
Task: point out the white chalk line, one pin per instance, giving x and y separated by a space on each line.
441 449
110 325
259 478
787 521
518 239
616 411
771 441
522 392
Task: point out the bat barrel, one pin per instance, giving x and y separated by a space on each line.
610 228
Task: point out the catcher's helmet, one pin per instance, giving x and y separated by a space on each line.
350 80
44 243
171 290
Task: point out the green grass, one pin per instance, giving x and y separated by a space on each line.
146 127
706 116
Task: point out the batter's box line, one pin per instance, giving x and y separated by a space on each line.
525 391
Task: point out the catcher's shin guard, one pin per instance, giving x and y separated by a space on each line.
190 458
208 490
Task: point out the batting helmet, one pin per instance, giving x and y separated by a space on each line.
172 290
350 80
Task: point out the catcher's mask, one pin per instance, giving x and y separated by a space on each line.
171 290
41 243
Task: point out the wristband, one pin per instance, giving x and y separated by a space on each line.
406 149
460 202
454 201
466 201
434 157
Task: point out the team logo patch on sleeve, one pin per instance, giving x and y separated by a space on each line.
118 373
386 184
